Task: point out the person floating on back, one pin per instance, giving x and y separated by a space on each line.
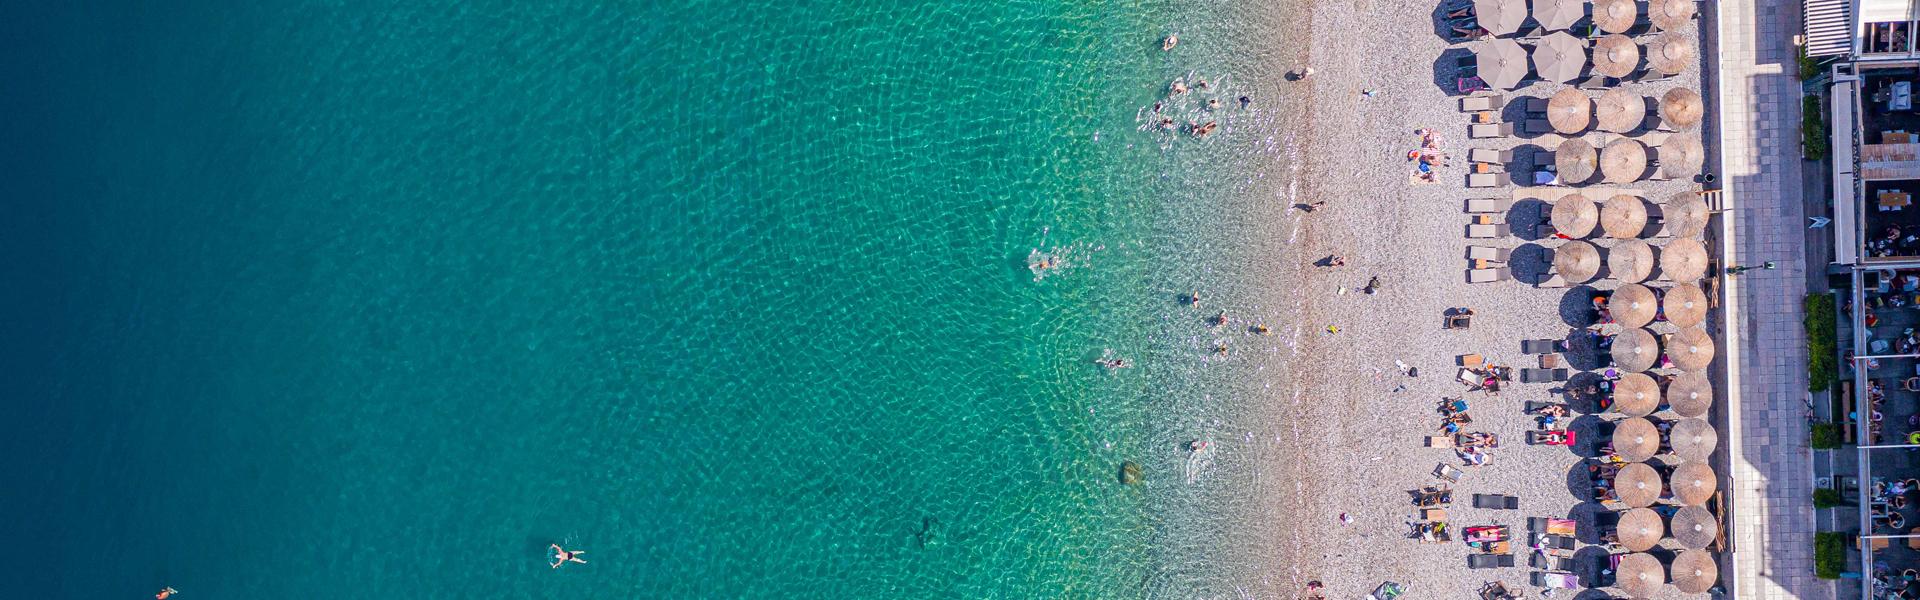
563 556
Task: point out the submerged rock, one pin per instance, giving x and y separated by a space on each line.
1129 473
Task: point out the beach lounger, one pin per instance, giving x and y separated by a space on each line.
1488 205
1448 472
1551 437
1432 496
1433 514
1483 131
1488 232
1539 346
1536 104
1598 82
1489 561
1554 281
1489 156
1481 103
1652 76
1439 441
1487 180
1553 542
1556 579
1552 526
1549 563
1489 275
1543 375
1488 253
1538 127
1495 590
1496 501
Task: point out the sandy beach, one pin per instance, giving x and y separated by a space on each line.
1359 421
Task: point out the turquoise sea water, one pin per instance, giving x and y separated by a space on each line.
307 301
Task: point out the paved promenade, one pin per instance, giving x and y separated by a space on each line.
1759 105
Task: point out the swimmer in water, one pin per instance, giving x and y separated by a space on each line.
166 593
563 556
1198 445
1171 41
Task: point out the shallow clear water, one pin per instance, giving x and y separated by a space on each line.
732 296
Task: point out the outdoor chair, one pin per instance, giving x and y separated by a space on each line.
1541 346
1538 127
1487 232
1536 104
1489 130
1490 156
1488 253
1496 501
1481 103
1489 561
1487 180
1543 375
1488 205
1489 275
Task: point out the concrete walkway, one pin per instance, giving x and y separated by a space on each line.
1772 490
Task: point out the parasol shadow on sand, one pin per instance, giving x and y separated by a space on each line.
1576 307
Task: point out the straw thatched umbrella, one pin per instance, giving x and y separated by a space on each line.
1570 111
1694 527
1684 260
1559 57
1640 529
1635 395
1558 14
1621 111
1630 261
1623 161
1635 439
1623 216
1693 439
1615 16
1640 575
1502 62
1681 106
1633 305
1635 350
1685 305
1692 483
1576 161
1670 14
1694 571
1577 261
1637 485
1615 55
1574 215
1691 349
1690 394
1682 156
1671 53
1685 214
1500 17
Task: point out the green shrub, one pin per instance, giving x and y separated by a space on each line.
1827 498
1822 347
1829 554
1826 436
1813 128
1809 66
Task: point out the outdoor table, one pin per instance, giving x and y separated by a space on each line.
1896 137
1891 200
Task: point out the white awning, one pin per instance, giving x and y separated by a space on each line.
1846 210
1882 11
1829 27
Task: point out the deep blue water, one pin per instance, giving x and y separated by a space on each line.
309 300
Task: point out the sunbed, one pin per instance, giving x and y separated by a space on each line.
1488 253
1487 180
1489 275
1554 437
1489 156
1488 205
1552 526
1496 591
1539 126
1556 579
1448 472
1489 561
1543 375
1536 104
1481 103
1554 281
1540 346
1598 82
1487 232
1552 542
1496 501
1549 563
1489 130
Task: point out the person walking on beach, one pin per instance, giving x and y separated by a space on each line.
1336 261
563 556
1310 206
